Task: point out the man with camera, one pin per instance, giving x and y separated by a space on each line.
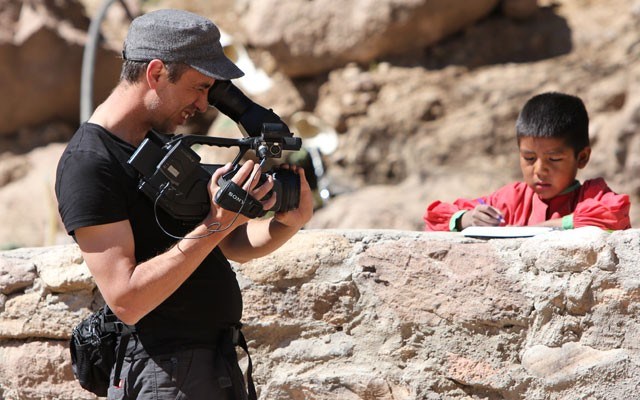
178 290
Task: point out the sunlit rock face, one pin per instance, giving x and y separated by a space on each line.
380 314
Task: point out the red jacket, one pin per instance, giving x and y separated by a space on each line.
592 204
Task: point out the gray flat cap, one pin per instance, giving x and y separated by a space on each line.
179 36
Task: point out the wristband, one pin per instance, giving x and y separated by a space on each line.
567 222
453 222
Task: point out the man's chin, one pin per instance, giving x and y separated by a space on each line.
166 129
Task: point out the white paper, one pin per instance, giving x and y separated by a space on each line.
505 231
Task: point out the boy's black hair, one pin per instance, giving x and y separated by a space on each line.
555 115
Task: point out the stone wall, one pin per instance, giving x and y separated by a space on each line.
380 314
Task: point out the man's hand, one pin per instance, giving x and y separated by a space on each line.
301 215
247 178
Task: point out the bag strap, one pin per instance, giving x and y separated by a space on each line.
112 324
238 339
122 349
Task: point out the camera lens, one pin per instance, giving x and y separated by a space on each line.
286 185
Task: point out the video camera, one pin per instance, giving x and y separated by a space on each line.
173 177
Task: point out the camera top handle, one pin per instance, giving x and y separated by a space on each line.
268 145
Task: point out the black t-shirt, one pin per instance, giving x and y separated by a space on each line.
94 186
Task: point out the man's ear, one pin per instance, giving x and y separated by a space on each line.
583 157
155 70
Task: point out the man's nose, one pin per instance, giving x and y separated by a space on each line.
202 103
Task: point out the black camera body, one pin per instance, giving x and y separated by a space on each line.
172 175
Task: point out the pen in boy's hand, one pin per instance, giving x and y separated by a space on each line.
481 201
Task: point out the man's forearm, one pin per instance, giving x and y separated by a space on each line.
257 239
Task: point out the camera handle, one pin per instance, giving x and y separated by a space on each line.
233 198
244 144
269 145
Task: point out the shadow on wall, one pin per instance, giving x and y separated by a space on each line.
499 40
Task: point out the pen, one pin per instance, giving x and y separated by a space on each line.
481 201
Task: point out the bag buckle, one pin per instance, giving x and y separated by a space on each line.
118 327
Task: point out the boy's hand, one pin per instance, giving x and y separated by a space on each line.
482 215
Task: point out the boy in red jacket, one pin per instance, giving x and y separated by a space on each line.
553 139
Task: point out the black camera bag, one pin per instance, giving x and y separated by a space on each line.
94 350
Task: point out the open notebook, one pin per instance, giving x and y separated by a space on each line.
505 231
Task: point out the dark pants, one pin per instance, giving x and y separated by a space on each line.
187 375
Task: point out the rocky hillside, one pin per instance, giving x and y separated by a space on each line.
422 95
380 315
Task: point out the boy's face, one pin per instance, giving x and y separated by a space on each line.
548 165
